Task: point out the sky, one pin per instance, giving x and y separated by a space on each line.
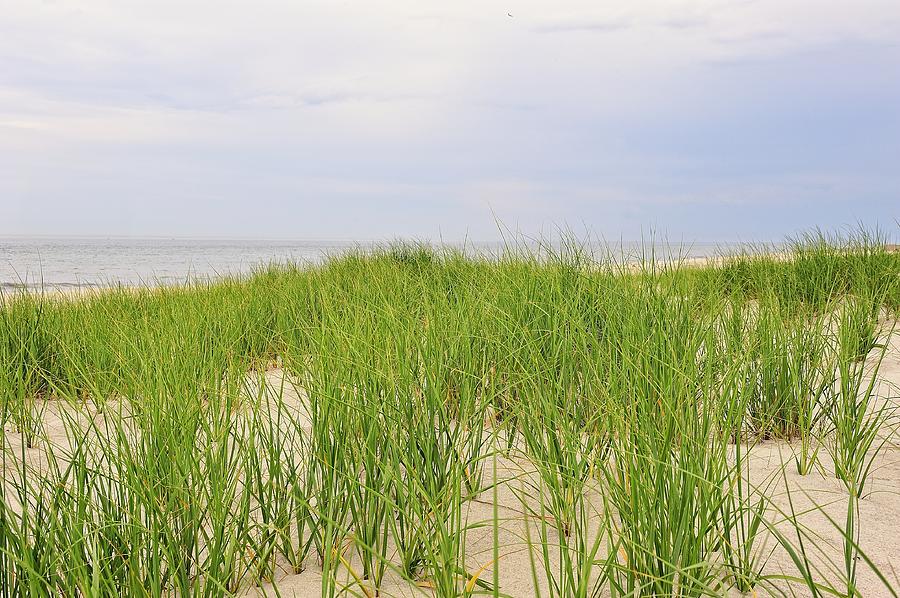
712 120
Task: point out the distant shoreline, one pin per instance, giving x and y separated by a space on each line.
68 263
632 262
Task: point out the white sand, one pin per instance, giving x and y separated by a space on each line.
774 460
879 513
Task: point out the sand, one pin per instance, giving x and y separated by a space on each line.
770 461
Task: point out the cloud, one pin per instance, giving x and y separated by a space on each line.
685 22
583 25
745 37
31 125
310 99
368 120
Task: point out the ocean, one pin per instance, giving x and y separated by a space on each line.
80 262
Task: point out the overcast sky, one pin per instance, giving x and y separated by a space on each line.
706 120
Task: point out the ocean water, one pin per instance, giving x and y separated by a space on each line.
61 262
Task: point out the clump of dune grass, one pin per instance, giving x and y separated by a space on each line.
348 418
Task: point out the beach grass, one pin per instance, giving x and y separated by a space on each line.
379 419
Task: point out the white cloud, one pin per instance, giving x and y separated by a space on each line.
545 111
